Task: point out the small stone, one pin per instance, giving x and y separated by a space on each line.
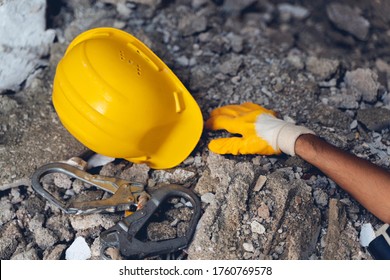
293 11
323 68
62 180
98 160
16 197
178 176
248 247
231 66
192 24
86 222
354 124
236 42
260 183
7 104
79 250
295 59
279 250
10 237
136 173
364 83
348 19
123 10
182 60
151 3
263 211
189 161
382 65
208 198
374 119
54 253
44 237
119 24
198 161
343 101
256 227
332 83
367 234
6 210
196 4
320 197
266 91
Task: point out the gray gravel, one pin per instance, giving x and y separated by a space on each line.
301 59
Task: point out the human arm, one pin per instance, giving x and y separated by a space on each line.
262 133
367 183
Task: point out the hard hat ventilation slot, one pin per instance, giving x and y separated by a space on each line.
123 58
122 55
153 62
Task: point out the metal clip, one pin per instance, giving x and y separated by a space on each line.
125 193
123 235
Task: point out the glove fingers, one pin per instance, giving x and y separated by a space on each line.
255 107
225 145
247 108
233 118
240 145
251 106
231 110
256 145
222 122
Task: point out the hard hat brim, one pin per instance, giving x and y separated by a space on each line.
179 142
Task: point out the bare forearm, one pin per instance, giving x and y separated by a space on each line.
366 182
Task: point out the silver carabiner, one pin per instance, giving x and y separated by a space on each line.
125 193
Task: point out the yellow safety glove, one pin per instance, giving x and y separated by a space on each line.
262 133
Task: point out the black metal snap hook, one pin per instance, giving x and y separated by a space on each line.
123 235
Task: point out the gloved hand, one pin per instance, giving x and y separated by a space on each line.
262 133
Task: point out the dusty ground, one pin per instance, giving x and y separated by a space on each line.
322 65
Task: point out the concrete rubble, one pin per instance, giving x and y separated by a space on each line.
333 78
23 41
348 19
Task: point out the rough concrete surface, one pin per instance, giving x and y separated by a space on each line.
302 59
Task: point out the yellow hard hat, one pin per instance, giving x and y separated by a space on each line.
115 96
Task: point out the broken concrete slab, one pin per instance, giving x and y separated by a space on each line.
292 207
341 241
295 219
221 228
24 40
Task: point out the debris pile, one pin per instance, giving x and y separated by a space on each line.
302 60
